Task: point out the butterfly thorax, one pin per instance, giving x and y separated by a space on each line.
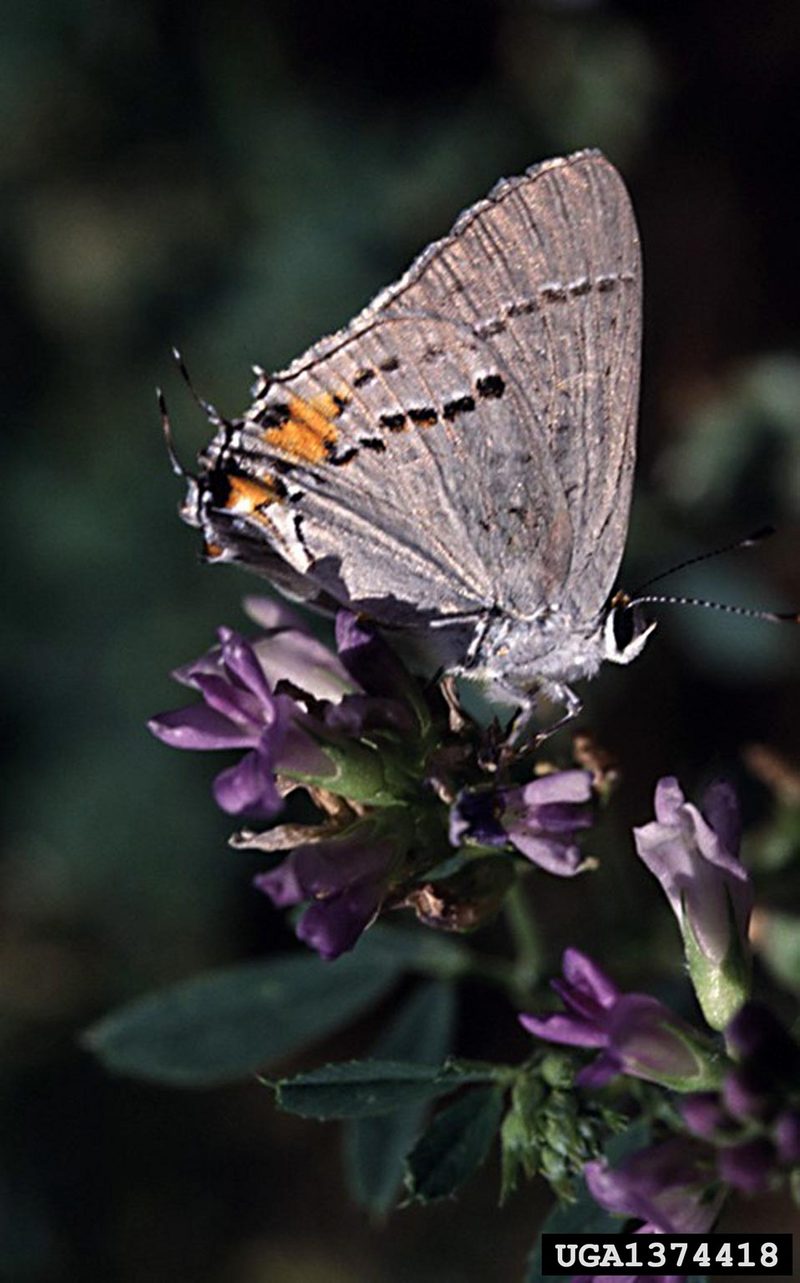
554 648
522 653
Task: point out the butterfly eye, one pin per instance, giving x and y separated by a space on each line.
626 631
218 488
623 622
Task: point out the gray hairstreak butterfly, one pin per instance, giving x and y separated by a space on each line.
458 460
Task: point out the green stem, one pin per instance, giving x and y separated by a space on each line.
496 971
527 944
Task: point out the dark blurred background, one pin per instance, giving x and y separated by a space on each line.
238 179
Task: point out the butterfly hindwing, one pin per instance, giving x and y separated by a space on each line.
547 272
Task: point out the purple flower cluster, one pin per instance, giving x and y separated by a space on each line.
394 775
307 717
378 756
753 1120
745 1136
741 1110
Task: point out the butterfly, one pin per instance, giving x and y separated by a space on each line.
457 462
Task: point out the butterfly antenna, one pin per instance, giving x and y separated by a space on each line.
211 413
166 428
772 616
749 541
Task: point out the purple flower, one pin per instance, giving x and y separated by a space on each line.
756 1037
787 1137
345 877
704 1115
475 818
695 856
752 1120
636 1034
747 1166
628 1278
745 1095
239 710
300 710
370 662
288 652
667 1187
539 819
768 1066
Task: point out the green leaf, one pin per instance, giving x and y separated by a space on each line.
224 1025
418 949
375 1148
364 1088
357 772
584 1216
455 1144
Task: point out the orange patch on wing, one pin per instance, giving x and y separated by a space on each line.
308 433
212 550
246 495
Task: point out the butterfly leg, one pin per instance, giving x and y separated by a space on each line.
522 731
481 620
572 707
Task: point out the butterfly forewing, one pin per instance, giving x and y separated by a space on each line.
420 470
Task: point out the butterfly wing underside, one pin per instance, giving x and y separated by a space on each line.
467 442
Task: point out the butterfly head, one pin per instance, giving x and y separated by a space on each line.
625 630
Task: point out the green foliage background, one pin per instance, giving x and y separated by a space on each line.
238 179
